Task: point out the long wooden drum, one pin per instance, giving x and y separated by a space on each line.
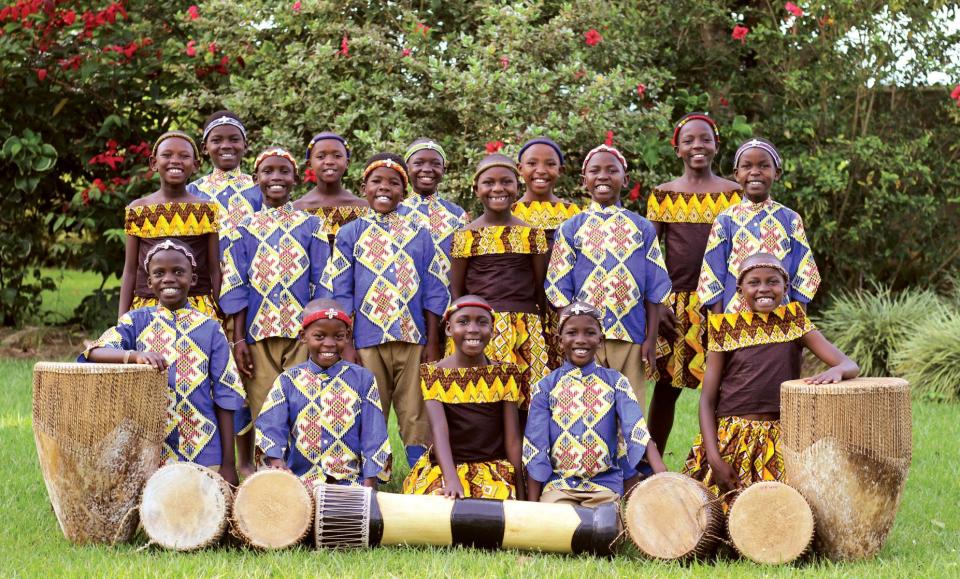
770 523
847 449
671 516
99 431
273 509
185 507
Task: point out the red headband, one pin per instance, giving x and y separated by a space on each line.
327 314
454 307
687 119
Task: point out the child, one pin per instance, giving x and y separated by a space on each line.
758 223
234 192
328 157
172 212
204 386
322 419
472 404
385 271
750 354
682 211
609 257
503 260
272 268
577 415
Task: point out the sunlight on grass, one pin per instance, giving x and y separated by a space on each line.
72 287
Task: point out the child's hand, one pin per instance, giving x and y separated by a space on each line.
431 353
453 489
154 359
831 376
241 353
648 353
668 323
724 476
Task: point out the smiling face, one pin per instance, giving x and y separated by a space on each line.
276 178
762 289
325 339
225 145
470 329
497 189
426 171
328 159
383 189
540 169
756 174
580 338
174 162
603 178
696 145
170 276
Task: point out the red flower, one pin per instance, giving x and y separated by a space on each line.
740 33
297 6
422 29
192 48
635 192
85 196
504 62
955 95
405 52
793 9
344 47
724 102
641 89
592 37
99 184
193 12
69 17
309 176
494 146
212 48
609 141
41 74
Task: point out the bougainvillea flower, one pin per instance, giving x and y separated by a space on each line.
504 62
344 47
310 176
592 37
641 89
494 146
635 192
609 141
193 12
740 33
406 52
192 48
793 9
297 6
955 95
41 74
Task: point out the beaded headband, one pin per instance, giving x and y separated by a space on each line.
771 265
165 245
175 135
219 122
604 149
390 164
577 309
456 307
327 136
757 144
540 141
327 314
694 117
425 146
275 152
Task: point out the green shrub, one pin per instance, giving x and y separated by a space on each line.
930 359
870 325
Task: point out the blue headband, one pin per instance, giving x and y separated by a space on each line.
325 136
540 141
219 122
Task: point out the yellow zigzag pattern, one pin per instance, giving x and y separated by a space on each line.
737 330
475 385
171 219
498 239
544 214
672 207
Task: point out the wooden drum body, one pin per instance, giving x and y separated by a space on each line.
671 516
273 509
185 507
847 449
99 431
770 523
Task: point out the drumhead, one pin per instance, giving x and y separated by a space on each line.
185 506
273 509
771 523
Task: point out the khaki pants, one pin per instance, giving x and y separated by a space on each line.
271 356
582 498
624 357
396 366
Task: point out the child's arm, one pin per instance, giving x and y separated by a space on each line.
559 283
804 276
536 440
235 295
841 367
513 441
452 487
228 461
319 254
338 275
436 296
458 276
648 350
539 278
713 270
534 489
723 473
374 440
652 454
241 351
115 356
433 350
227 394
656 289
128 279
213 263
273 426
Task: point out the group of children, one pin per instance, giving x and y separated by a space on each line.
514 347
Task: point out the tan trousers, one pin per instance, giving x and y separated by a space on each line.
396 366
582 498
271 356
624 357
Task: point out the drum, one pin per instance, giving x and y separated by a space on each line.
671 516
99 432
770 523
273 509
847 449
348 517
185 507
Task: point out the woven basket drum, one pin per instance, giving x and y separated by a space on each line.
847 449
99 430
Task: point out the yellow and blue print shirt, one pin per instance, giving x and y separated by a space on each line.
235 194
438 216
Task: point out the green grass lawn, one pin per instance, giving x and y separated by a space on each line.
72 287
923 543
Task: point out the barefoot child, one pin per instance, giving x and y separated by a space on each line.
385 272
272 268
682 212
328 157
172 336
750 354
322 419
577 415
609 257
503 260
172 213
472 404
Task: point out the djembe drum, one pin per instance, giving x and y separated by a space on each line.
185 506
671 516
350 517
273 509
847 449
99 430
770 523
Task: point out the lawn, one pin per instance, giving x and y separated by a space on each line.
924 541
72 287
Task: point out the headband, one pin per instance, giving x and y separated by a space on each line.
604 149
390 164
275 152
219 122
425 146
540 141
168 244
324 137
757 144
456 307
327 314
505 164
577 309
753 266
694 117
175 135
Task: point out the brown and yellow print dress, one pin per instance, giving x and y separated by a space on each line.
337 216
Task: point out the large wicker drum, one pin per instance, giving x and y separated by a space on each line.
273 509
99 431
770 523
185 506
847 449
